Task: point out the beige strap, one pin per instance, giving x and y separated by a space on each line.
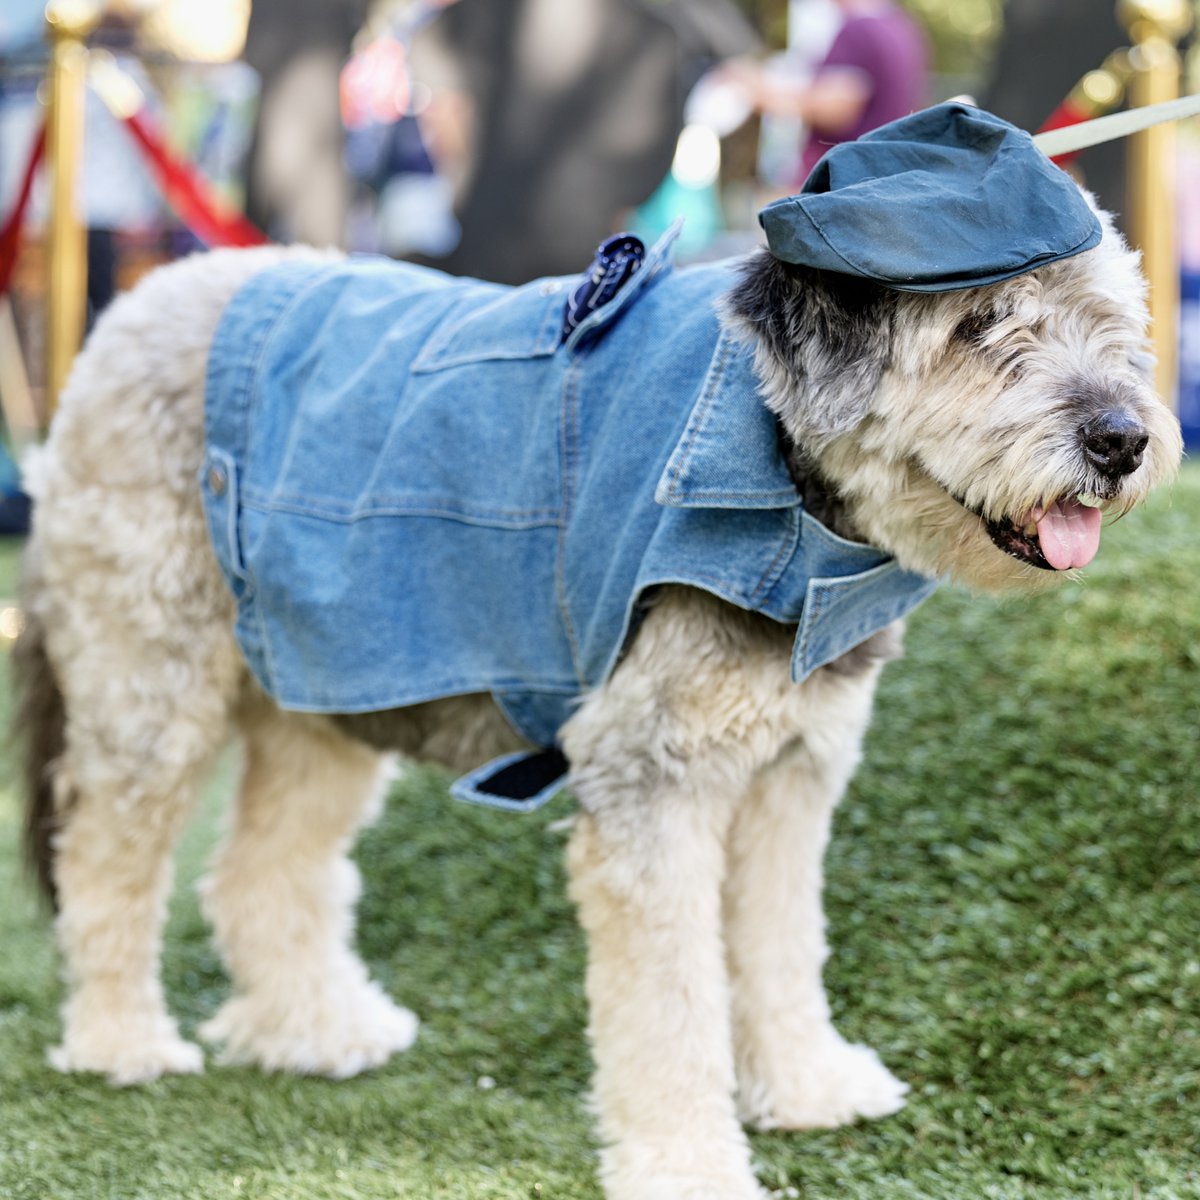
1106 129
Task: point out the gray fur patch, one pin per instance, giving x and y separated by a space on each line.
828 335
821 499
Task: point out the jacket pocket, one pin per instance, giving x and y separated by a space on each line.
521 324
474 433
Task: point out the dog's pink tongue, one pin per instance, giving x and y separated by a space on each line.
1069 533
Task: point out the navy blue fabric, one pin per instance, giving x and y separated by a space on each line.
951 197
616 260
415 490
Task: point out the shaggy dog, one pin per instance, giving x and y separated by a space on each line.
940 428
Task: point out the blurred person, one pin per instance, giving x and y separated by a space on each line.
876 71
118 193
396 148
811 27
115 193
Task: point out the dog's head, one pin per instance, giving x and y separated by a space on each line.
981 433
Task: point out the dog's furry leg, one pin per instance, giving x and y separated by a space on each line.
660 758
113 876
794 1069
135 745
658 997
281 900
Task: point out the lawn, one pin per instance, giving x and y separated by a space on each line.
1014 905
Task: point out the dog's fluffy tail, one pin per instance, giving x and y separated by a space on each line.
38 730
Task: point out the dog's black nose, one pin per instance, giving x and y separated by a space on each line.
1114 442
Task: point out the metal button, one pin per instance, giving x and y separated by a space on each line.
218 480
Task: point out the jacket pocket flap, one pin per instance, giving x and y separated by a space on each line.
525 323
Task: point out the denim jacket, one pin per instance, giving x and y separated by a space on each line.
417 488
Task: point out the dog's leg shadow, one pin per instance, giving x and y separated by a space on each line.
281 899
795 1071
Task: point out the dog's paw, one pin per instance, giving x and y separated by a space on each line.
126 1053
835 1084
713 1167
682 1187
337 1034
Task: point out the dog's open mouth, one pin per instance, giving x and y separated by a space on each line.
1055 537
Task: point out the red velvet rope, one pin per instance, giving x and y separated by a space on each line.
185 190
1067 113
10 236
188 192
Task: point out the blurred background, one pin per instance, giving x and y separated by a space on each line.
506 138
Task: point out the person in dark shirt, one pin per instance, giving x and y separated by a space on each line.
876 71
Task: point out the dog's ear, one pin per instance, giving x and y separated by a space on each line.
822 341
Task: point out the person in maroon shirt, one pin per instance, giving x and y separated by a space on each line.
876 71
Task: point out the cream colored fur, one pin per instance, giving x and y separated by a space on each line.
706 779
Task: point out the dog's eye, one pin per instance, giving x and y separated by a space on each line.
972 328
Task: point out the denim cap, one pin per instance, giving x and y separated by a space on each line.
951 197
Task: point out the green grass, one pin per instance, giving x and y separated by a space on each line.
1014 896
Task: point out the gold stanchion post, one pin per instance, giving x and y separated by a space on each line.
1155 27
68 23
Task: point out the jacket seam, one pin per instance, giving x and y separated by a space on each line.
701 416
774 572
567 440
529 518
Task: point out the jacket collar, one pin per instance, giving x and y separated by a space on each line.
729 454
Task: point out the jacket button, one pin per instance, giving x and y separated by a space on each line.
218 480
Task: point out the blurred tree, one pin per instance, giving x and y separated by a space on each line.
296 188
575 111
770 18
963 33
